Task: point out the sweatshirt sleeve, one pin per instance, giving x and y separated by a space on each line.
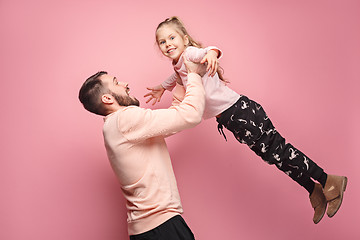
138 124
170 83
178 94
195 54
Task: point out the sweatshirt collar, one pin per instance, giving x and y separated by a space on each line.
180 62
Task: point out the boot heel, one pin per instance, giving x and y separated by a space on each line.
345 184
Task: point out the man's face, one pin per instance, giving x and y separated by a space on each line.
119 90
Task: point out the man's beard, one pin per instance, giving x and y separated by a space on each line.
125 100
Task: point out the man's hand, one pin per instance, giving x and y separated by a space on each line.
195 67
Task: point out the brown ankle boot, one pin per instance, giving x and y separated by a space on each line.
334 191
318 202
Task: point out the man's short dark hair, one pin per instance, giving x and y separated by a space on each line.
90 94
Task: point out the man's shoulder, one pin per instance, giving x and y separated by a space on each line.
131 115
125 119
124 113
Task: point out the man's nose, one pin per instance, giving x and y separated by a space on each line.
124 84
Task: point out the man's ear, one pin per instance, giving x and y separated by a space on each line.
186 40
107 98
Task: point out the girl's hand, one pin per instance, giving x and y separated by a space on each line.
155 93
212 61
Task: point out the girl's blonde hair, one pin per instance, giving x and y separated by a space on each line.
180 28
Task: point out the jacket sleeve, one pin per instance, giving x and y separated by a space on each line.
178 94
138 124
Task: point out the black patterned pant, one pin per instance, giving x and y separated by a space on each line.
250 125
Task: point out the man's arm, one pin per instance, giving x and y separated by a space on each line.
209 55
138 124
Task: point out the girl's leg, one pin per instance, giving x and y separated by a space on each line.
250 125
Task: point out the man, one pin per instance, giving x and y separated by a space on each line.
136 148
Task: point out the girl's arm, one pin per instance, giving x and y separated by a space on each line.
156 92
170 82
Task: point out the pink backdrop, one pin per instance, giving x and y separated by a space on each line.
300 59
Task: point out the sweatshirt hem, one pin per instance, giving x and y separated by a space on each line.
149 223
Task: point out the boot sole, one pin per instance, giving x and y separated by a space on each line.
321 217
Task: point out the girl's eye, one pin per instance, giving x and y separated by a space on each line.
161 42
172 38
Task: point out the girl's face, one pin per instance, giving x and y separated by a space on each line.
170 42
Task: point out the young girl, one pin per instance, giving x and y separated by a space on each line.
245 118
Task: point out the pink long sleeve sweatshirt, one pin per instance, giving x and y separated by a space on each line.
136 148
219 97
